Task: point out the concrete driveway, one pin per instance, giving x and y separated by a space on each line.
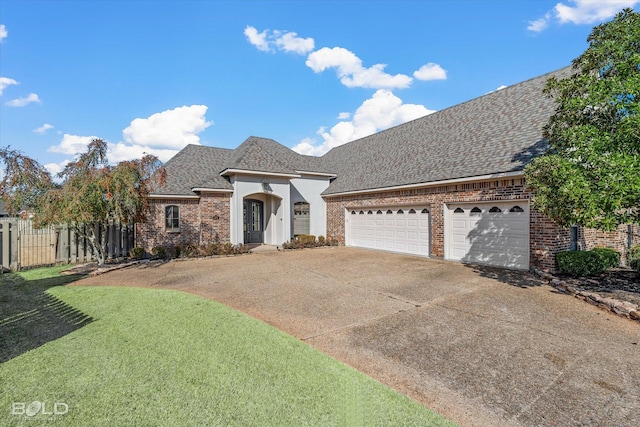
482 346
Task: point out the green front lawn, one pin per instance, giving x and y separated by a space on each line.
160 357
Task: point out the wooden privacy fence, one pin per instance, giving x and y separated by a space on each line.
24 246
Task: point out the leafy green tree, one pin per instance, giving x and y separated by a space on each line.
92 192
591 174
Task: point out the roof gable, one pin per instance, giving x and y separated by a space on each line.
261 154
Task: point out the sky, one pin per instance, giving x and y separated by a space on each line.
154 76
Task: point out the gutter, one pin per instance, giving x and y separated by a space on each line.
490 177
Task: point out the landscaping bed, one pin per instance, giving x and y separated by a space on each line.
618 283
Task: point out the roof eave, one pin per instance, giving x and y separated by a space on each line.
228 172
173 196
323 174
211 190
488 177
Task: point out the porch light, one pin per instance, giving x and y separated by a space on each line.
266 187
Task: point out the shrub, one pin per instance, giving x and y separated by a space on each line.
309 241
158 252
174 252
241 249
191 250
582 263
306 240
227 249
633 257
210 249
136 253
610 257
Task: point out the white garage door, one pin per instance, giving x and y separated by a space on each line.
403 229
494 233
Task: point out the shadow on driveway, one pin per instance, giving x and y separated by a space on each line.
521 279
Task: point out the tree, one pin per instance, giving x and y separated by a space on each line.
590 175
92 192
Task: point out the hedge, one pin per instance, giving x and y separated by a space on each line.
633 257
587 263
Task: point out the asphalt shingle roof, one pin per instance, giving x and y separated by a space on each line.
267 155
497 132
195 166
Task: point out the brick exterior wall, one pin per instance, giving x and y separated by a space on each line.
202 221
546 237
619 240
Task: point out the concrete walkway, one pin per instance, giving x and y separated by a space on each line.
482 346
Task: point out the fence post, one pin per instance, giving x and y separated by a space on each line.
15 236
5 250
111 239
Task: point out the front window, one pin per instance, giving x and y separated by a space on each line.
172 218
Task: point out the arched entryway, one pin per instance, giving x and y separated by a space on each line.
253 221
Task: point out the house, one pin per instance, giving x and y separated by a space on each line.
447 185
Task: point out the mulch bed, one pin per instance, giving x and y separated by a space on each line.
618 283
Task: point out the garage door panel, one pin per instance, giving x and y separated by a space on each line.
489 233
459 238
398 230
458 223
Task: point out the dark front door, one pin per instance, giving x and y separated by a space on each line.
253 221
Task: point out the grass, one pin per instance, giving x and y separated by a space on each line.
166 358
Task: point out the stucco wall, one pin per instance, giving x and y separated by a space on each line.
274 192
278 194
309 189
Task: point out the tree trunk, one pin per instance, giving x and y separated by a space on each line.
94 239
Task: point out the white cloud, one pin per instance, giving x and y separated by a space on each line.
122 151
382 111
290 42
75 144
497 89
259 40
169 129
3 33
6 81
351 72
540 24
43 129
55 168
581 12
26 100
344 115
268 41
590 11
161 134
430 71
72 144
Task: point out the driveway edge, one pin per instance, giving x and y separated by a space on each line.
621 308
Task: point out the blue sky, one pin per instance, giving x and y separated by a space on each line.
153 76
